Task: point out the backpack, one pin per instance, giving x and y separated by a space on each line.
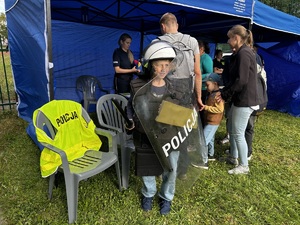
185 55
262 91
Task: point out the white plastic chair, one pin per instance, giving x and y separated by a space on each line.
110 118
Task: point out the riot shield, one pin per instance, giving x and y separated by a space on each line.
173 127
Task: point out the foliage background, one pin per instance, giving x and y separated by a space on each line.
291 7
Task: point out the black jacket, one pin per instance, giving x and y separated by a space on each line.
242 86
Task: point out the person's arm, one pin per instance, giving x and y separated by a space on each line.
218 107
207 65
198 80
242 75
218 70
120 70
216 67
116 64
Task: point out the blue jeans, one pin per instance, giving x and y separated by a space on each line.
209 134
203 145
237 122
167 189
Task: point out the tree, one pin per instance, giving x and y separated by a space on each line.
3 29
291 7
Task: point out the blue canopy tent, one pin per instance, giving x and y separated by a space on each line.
54 42
283 68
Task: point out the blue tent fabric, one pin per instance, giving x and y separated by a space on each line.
88 54
287 50
271 18
282 65
85 33
27 43
228 7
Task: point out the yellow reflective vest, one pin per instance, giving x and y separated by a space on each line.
73 134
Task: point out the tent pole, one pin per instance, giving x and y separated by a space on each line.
252 14
49 48
141 44
142 40
250 25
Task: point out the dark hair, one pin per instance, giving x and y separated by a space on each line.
218 51
123 37
205 45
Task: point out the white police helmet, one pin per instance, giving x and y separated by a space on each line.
158 50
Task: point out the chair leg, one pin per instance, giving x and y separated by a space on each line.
72 197
51 184
117 165
125 155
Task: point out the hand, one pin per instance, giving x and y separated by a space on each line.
135 70
218 97
201 106
129 126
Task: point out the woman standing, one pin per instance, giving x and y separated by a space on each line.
123 64
242 90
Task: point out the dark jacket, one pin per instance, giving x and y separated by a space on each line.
146 160
242 87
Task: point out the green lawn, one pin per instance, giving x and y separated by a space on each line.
268 195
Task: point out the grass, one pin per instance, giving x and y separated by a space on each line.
268 195
6 80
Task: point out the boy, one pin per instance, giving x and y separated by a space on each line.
150 89
213 113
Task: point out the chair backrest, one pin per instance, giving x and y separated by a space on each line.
63 125
44 123
87 84
108 115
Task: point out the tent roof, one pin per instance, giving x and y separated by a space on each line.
208 20
270 24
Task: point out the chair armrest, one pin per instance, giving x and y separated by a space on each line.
105 126
111 136
62 155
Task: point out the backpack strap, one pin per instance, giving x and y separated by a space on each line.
185 40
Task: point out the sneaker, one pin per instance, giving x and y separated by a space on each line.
229 160
146 203
249 157
211 158
225 140
165 206
200 165
239 170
